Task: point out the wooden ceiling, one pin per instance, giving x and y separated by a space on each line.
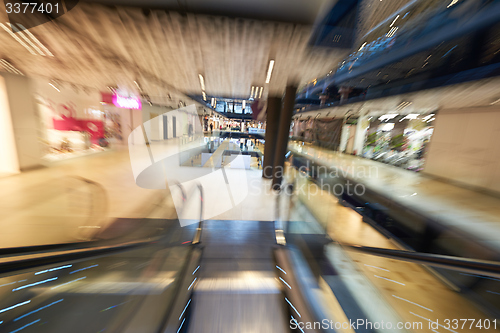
96 46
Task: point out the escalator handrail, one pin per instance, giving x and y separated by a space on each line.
69 246
470 265
70 255
197 236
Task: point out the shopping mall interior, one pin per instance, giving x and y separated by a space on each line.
250 166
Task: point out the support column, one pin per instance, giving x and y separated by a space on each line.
283 135
272 123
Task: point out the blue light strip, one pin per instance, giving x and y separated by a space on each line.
293 307
184 309
181 325
14 306
192 283
34 284
281 269
195 270
21 328
43 307
53 269
285 283
82 269
296 323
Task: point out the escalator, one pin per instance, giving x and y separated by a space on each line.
288 275
212 276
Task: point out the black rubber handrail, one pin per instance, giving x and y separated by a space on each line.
474 266
77 254
197 236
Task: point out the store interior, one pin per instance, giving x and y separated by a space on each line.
399 140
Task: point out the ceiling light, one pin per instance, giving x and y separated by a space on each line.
392 32
431 120
360 48
260 94
204 95
35 39
53 86
387 127
138 87
8 66
403 105
202 81
270 71
243 104
17 38
20 33
251 94
394 21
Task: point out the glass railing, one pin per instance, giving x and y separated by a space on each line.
374 292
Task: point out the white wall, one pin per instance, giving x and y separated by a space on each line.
360 136
465 147
9 162
25 120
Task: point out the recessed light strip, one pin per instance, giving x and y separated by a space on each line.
270 71
17 38
10 68
53 86
202 82
35 39
37 49
394 21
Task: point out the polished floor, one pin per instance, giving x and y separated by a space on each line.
55 205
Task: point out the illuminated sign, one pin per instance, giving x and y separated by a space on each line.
127 102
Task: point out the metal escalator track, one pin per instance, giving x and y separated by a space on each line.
238 290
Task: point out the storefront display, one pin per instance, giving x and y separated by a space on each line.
400 141
74 123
